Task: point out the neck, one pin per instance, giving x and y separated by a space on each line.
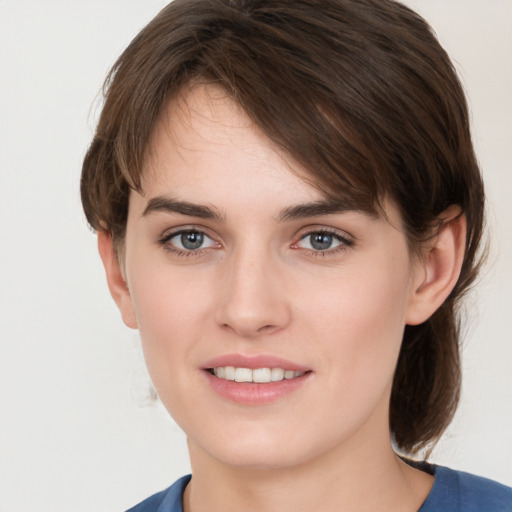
355 476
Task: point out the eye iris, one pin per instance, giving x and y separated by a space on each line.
192 240
321 241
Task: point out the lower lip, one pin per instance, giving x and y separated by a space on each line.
253 393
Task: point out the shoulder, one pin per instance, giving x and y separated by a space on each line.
168 500
460 491
483 494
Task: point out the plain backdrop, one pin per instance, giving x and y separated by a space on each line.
79 431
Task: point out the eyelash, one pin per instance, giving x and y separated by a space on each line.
345 242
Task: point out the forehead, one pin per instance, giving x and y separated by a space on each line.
203 137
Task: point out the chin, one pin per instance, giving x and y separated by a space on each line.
261 459
259 451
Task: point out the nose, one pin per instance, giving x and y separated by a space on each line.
252 295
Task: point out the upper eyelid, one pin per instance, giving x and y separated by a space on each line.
330 231
341 233
171 232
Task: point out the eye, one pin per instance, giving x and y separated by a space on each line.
186 241
322 241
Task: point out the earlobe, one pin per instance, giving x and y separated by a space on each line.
437 273
115 279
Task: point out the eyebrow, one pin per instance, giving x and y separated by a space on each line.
169 205
299 211
317 209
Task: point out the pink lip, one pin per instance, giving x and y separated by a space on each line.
251 393
252 362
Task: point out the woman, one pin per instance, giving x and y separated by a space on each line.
289 209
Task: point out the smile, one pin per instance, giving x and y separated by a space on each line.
258 375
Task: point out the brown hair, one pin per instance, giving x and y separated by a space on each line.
357 91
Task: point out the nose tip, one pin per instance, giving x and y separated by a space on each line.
248 327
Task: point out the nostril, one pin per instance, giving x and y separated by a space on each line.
267 328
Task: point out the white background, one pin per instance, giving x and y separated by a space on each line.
78 430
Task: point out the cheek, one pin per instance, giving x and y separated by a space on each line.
167 298
172 312
360 316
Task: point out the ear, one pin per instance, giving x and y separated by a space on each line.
436 274
115 279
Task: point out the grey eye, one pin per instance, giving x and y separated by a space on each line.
191 240
321 241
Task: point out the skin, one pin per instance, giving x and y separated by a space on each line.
257 286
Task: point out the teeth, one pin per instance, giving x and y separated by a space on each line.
260 375
276 374
243 375
229 373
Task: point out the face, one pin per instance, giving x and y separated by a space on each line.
270 321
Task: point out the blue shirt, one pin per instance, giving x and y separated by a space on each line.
453 491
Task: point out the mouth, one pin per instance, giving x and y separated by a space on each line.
256 375
253 380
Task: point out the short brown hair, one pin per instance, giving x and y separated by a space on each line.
357 91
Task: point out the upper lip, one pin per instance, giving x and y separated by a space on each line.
254 361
